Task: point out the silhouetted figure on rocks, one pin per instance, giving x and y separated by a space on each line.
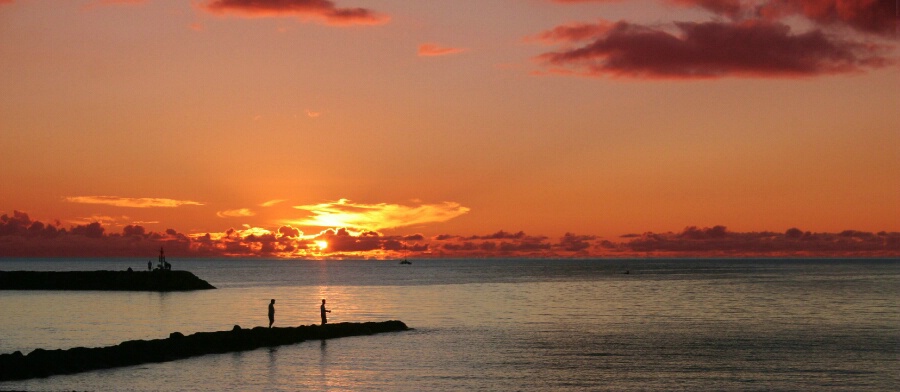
271 313
323 311
149 265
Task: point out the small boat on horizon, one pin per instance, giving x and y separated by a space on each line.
406 262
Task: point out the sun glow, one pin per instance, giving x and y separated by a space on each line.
373 217
322 245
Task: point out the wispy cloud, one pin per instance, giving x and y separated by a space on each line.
343 213
102 219
432 49
131 202
573 32
323 10
273 202
119 2
103 3
241 212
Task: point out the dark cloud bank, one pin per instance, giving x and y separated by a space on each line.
742 39
20 236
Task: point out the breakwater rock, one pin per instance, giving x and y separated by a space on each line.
159 280
43 363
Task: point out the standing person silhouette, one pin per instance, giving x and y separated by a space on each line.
323 311
271 313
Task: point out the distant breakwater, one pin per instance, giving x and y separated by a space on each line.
158 280
44 363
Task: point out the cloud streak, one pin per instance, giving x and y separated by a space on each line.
238 213
323 10
346 214
273 202
132 202
433 50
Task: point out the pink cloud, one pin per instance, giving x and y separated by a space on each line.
316 9
288 231
575 243
710 50
573 32
731 8
341 241
793 242
871 16
431 49
500 235
20 236
134 230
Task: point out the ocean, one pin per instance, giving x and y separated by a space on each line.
490 324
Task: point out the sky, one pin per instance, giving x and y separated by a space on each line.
395 128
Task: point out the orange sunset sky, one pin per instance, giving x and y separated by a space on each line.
396 128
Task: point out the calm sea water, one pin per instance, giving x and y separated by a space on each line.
525 325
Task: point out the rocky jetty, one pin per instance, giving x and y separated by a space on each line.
43 363
157 280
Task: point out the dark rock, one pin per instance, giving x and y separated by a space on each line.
158 280
43 363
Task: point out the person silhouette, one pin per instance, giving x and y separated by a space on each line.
149 266
323 311
271 313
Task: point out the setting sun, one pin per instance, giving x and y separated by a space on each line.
533 178
538 145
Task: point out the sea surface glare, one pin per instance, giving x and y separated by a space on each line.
493 325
